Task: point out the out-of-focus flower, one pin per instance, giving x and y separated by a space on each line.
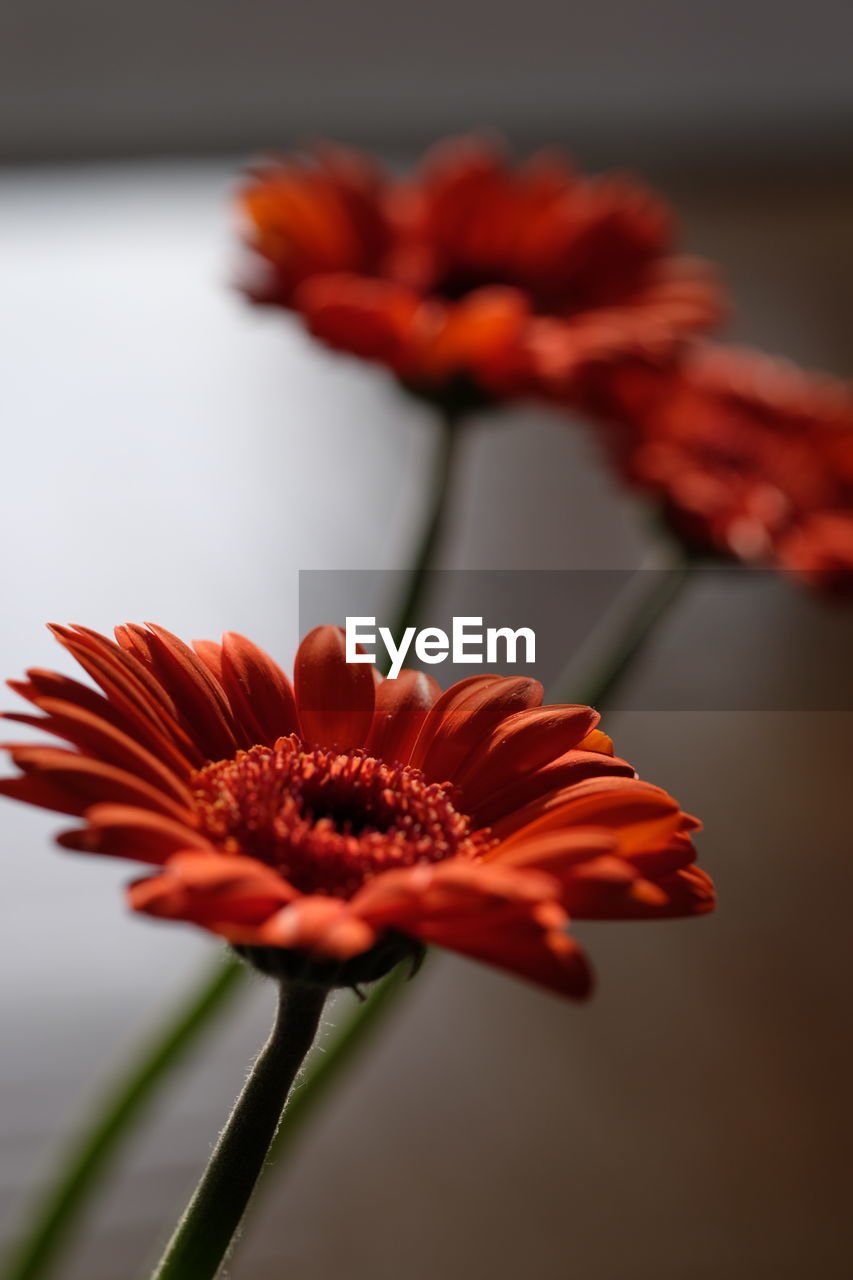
330 827
475 277
751 456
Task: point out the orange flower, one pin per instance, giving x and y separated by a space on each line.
753 457
475 278
331 827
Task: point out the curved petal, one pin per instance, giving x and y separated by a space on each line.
370 318
85 781
198 697
258 690
520 743
557 852
464 716
98 738
639 815
597 741
32 788
526 945
503 916
504 804
398 899
127 686
220 892
323 927
41 684
477 332
124 831
609 888
211 655
335 698
402 706
613 889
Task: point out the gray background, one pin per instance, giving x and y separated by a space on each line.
171 454
627 76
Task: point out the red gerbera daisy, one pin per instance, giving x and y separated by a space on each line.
329 828
752 457
475 278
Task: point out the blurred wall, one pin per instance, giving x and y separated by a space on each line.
633 76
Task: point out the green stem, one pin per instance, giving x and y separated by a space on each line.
329 1062
436 517
87 1162
212 1218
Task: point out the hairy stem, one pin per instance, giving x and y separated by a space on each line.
204 1235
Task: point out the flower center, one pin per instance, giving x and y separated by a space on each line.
326 820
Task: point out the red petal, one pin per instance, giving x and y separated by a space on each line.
40 791
458 887
198 697
522 742
373 319
402 706
640 816
127 832
123 679
86 782
217 891
557 776
557 852
521 945
258 691
211 655
98 738
323 927
335 698
465 715
505 916
601 890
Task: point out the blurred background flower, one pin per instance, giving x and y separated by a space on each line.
162 456
475 277
750 457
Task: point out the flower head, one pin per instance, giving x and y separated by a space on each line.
330 827
475 277
752 457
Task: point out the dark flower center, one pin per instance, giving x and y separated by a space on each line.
327 820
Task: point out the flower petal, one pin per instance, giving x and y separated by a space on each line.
219 892
503 916
98 738
85 781
128 688
326 928
639 815
123 831
335 698
198 697
258 690
402 706
466 714
541 951
211 655
504 803
373 319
